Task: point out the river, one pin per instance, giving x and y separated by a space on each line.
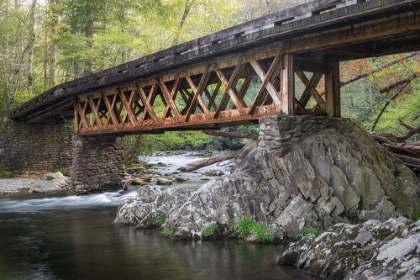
72 238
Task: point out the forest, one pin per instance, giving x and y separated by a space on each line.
48 42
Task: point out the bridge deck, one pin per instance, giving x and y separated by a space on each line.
235 75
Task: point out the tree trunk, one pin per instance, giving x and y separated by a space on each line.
187 9
31 35
128 157
206 162
231 134
53 6
6 60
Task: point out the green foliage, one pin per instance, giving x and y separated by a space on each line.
189 140
244 226
248 226
168 230
224 143
307 231
362 100
4 173
160 220
210 230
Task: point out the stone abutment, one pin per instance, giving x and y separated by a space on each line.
97 163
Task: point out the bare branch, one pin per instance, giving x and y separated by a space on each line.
381 67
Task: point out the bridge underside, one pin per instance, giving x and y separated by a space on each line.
238 75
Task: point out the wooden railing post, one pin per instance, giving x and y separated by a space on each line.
332 89
287 88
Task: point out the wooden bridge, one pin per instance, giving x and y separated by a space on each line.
236 75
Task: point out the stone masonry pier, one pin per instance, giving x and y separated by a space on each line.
33 149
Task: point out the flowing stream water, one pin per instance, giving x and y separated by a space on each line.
71 237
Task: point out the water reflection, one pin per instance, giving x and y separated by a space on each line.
82 244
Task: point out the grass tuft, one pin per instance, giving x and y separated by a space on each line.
307 231
210 230
249 228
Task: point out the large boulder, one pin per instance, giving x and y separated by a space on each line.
302 172
372 250
151 206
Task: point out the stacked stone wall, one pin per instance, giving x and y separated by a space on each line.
30 149
280 132
98 163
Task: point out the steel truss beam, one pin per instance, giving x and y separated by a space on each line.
229 90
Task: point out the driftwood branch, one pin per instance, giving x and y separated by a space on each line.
231 134
412 132
406 125
396 146
209 161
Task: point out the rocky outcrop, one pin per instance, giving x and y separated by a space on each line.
151 206
302 172
372 250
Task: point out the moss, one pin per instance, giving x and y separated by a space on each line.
382 233
4 173
58 169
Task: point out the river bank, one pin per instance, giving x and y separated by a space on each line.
160 169
33 184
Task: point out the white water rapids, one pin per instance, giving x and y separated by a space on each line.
169 165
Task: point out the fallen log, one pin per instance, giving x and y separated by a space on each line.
209 161
396 146
231 134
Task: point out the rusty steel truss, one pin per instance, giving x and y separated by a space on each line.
233 89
